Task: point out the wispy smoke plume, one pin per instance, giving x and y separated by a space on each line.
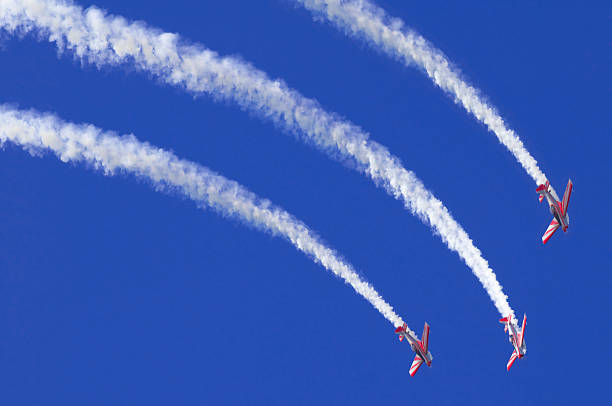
109 40
111 153
362 19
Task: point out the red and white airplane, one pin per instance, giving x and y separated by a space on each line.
557 208
517 338
419 347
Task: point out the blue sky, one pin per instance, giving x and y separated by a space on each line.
111 293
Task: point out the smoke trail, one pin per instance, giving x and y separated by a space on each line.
109 40
111 153
362 19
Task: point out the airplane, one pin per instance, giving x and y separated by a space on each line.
517 338
419 347
557 208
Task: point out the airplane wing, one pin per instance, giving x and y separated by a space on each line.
425 339
522 335
566 196
416 364
513 358
554 225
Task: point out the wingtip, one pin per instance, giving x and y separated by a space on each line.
513 358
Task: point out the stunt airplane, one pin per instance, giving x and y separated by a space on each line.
557 208
517 338
419 347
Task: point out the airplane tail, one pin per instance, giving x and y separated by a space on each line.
400 329
566 196
543 188
505 321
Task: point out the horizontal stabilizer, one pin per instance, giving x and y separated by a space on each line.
401 329
543 188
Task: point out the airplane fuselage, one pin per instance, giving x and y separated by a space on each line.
416 347
556 210
520 350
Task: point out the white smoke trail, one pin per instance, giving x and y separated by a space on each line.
111 153
110 40
362 19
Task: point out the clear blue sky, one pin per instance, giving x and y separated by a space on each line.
111 293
